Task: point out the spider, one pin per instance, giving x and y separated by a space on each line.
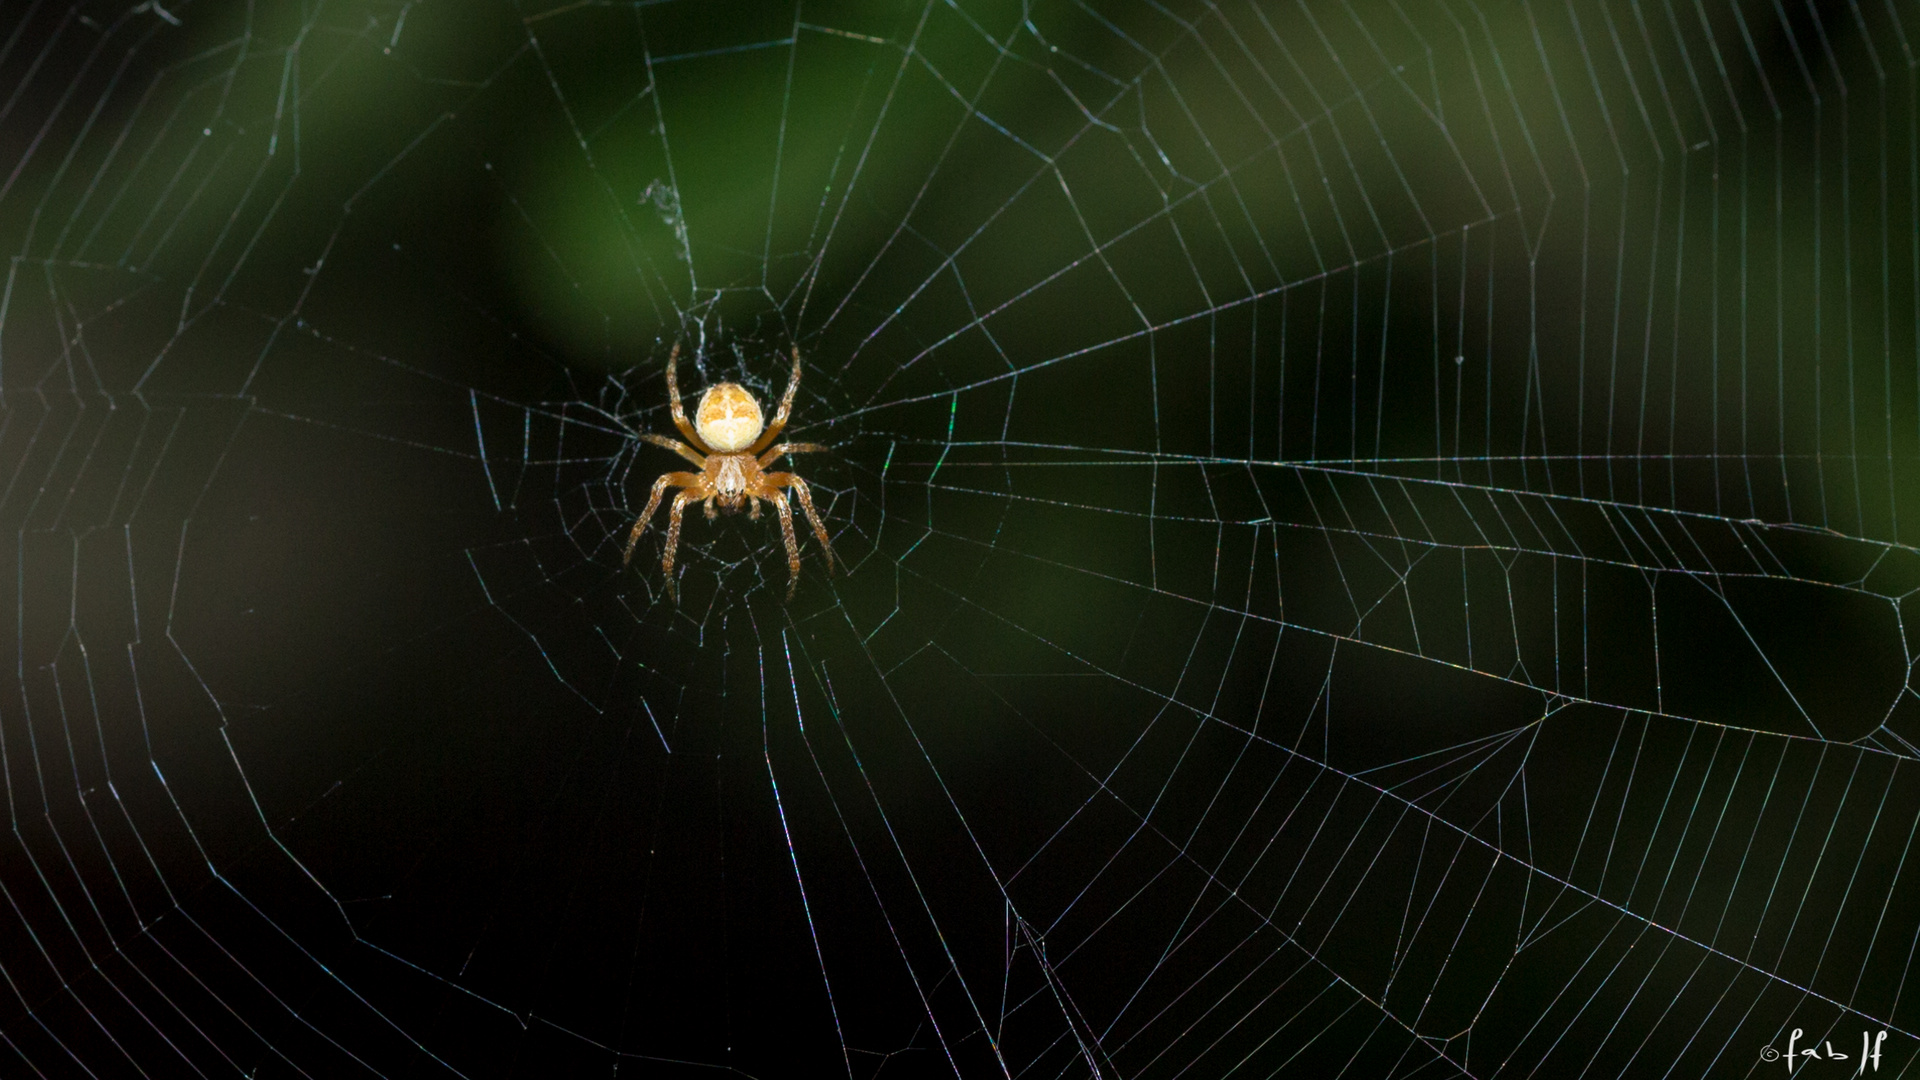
729 442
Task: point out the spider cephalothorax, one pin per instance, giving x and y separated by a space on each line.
728 440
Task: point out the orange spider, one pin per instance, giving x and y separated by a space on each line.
728 441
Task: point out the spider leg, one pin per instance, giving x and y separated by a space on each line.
793 545
799 486
676 446
680 502
679 411
786 406
772 455
753 508
660 486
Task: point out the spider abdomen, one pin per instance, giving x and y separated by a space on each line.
728 418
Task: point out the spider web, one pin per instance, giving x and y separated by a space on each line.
1370 540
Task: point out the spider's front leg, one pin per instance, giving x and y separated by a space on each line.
799 486
660 486
793 545
680 502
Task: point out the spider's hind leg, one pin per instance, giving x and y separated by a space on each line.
779 421
679 410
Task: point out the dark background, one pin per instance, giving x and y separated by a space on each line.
1372 537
